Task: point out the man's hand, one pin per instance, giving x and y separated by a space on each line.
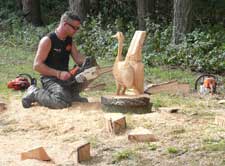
63 75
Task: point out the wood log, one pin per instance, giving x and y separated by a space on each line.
82 152
141 135
134 103
115 123
2 104
38 153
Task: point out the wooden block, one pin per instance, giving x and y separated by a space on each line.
38 153
82 151
2 106
141 135
221 101
220 120
115 123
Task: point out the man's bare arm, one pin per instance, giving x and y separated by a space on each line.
41 55
77 57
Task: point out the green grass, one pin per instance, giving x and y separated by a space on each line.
152 146
172 150
213 145
163 74
123 155
13 61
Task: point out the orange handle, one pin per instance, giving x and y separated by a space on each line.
74 70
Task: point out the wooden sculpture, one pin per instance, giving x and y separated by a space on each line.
129 73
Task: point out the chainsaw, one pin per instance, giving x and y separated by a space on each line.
208 84
89 70
22 82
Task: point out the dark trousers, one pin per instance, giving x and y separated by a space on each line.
55 94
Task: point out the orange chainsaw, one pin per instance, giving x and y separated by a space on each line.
89 70
208 83
22 82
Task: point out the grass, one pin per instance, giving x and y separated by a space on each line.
13 62
123 155
152 146
172 150
211 145
93 140
163 74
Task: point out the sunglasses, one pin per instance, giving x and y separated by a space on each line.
75 28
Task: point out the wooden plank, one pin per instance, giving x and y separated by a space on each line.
169 87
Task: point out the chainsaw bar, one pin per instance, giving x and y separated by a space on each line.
103 70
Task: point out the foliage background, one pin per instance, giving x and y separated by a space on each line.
203 49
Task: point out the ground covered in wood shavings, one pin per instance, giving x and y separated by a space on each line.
189 139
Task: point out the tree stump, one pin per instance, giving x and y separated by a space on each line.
124 104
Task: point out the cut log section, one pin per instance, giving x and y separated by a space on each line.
81 151
38 154
134 104
2 105
115 123
141 135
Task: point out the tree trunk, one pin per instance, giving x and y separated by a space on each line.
19 4
80 7
141 11
150 8
145 8
32 11
182 20
94 6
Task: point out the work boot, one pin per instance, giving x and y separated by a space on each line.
29 96
78 98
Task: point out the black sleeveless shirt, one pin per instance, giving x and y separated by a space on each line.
58 57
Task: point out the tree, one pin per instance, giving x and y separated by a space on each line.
80 7
150 8
31 11
94 6
144 8
141 13
182 20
